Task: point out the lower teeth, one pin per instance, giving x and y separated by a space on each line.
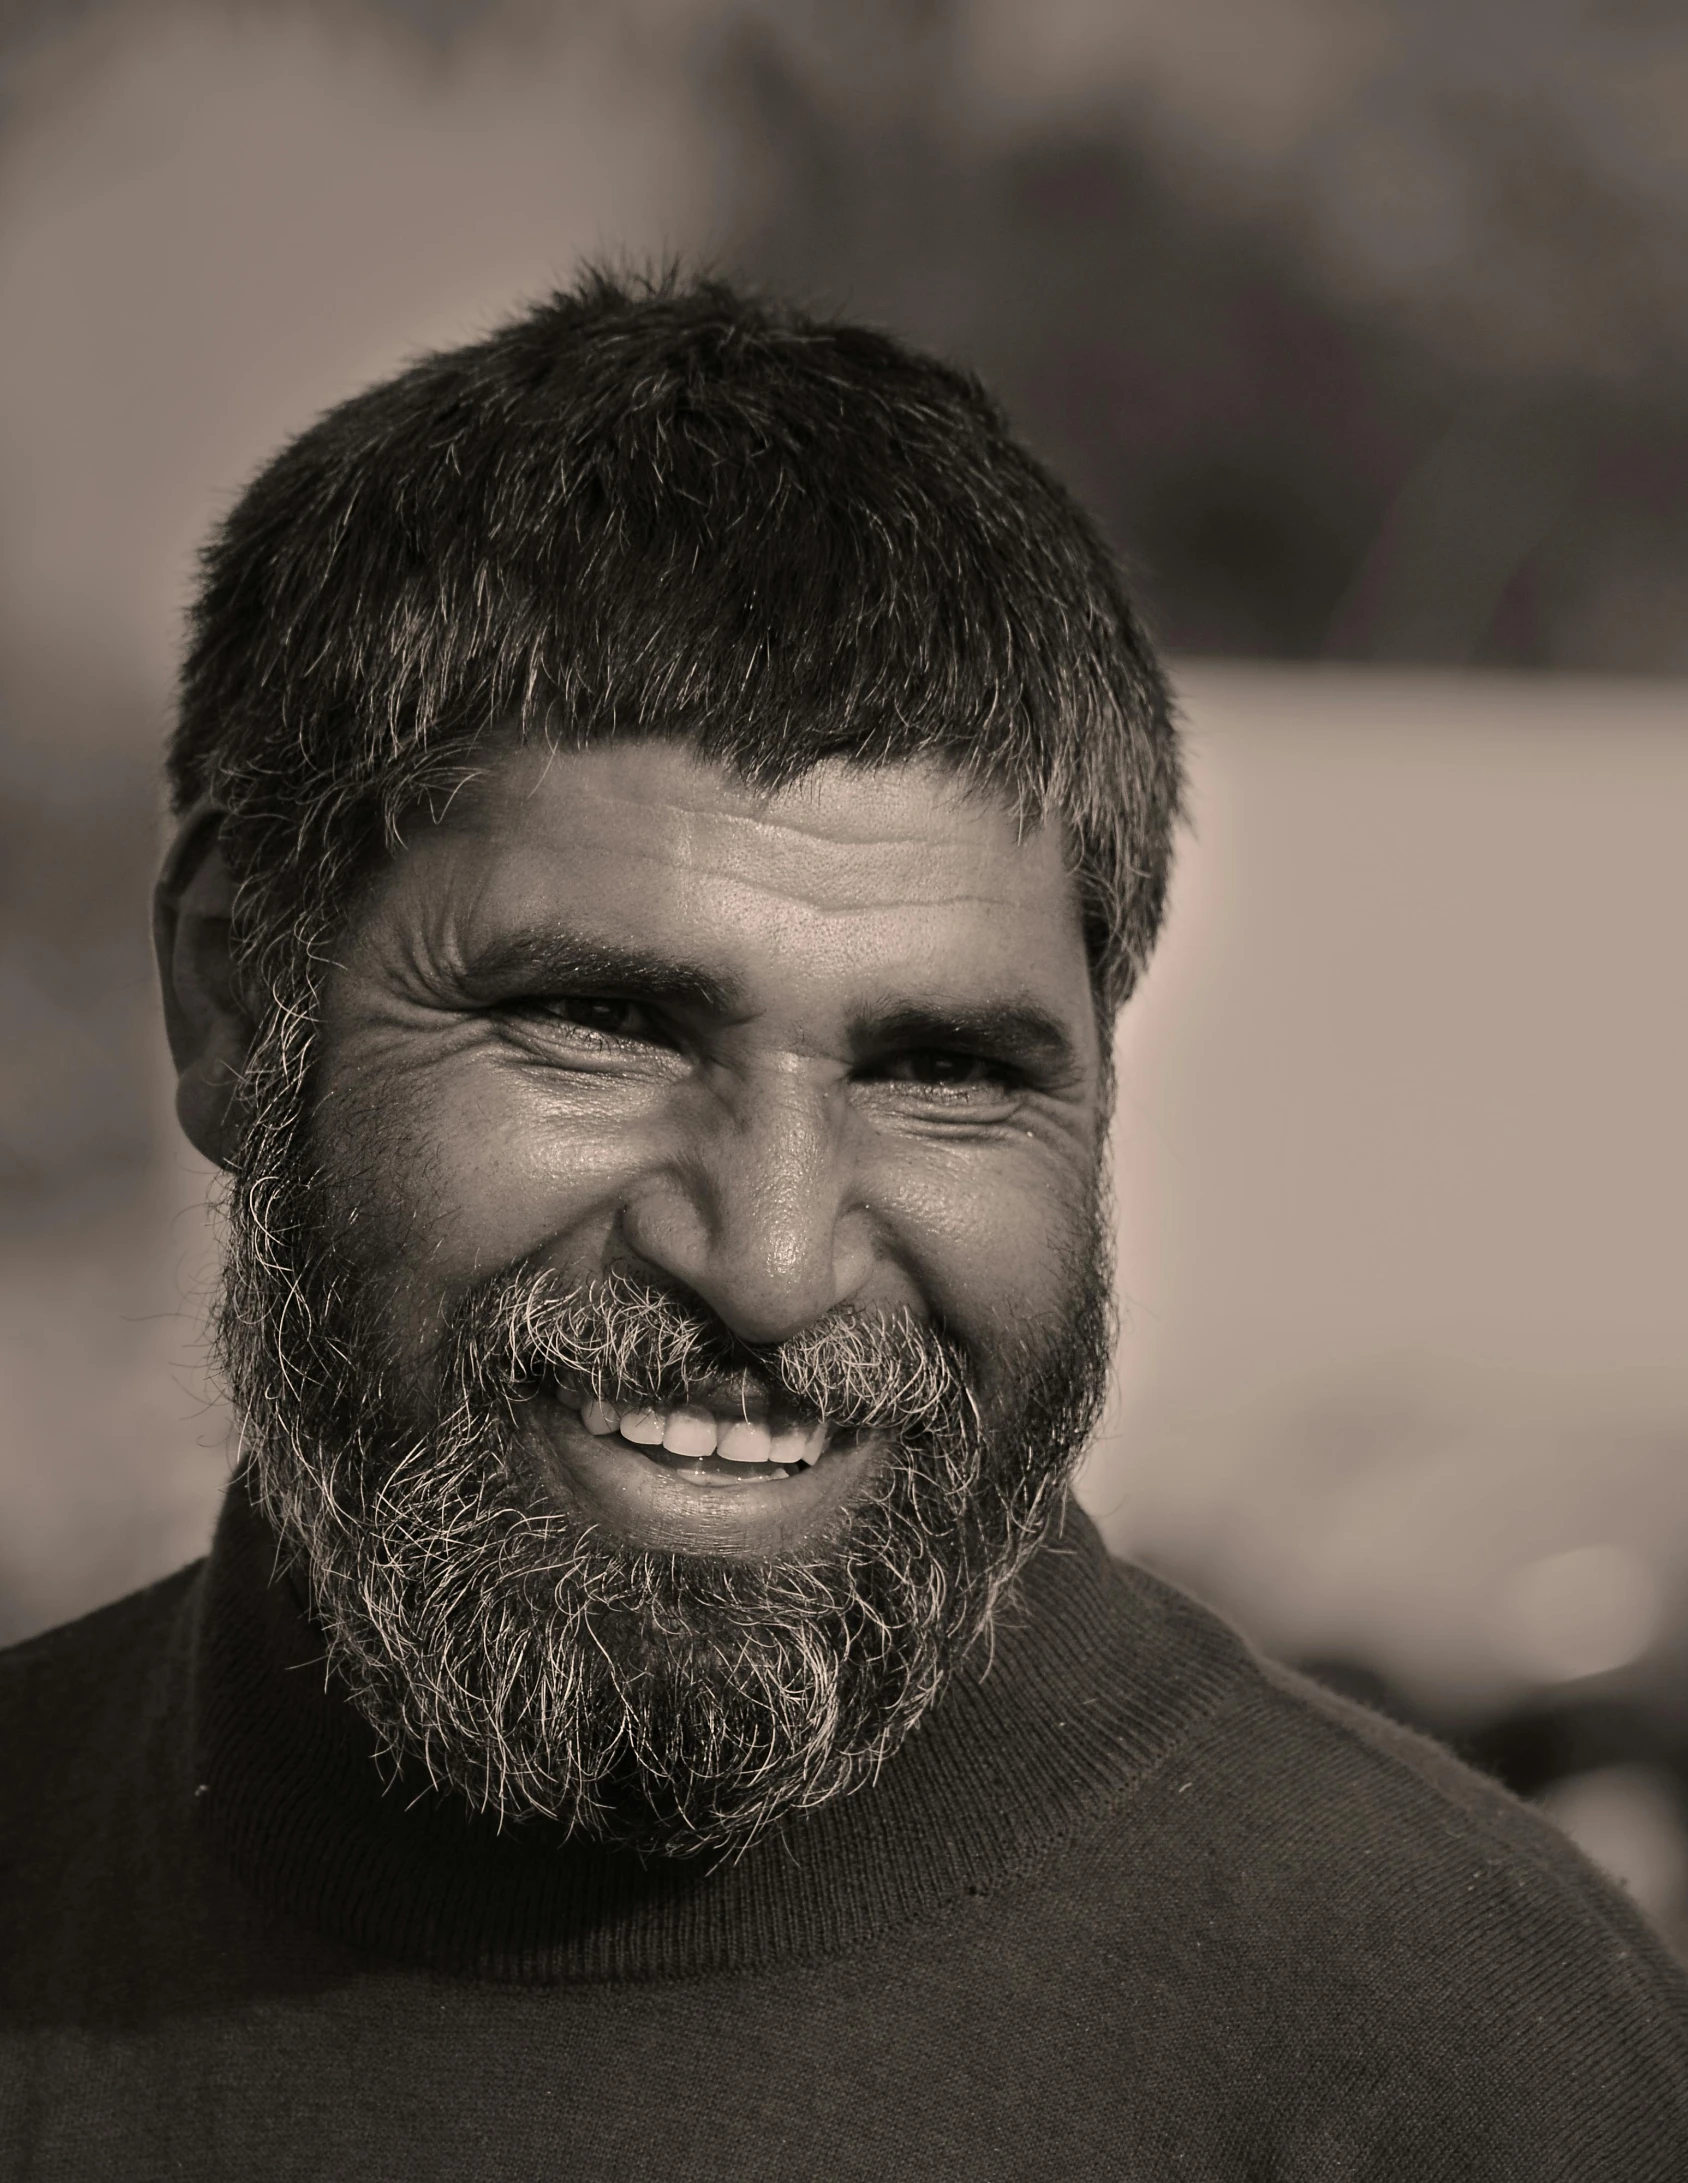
714 1466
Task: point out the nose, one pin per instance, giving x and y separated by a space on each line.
755 1209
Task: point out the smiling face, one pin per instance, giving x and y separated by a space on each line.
666 1287
670 1314
830 1050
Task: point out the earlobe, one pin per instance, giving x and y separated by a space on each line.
209 1027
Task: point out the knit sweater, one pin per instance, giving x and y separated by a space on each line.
1131 1903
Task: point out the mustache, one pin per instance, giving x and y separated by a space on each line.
629 1341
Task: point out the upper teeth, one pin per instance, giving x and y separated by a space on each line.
690 1429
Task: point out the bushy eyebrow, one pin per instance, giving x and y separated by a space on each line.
1015 1029
552 959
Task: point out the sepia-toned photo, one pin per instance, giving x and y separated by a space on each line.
843 894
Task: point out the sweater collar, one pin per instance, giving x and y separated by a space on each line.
1096 1674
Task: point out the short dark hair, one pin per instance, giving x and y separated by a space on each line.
664 508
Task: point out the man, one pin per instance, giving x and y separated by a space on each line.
671 801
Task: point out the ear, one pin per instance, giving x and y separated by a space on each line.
209 1027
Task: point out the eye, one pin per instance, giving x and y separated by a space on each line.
615 1019
943 1069
588 1019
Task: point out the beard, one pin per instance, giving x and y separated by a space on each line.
547 1672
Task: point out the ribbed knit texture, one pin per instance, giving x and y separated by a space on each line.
1019 1758
1127 1905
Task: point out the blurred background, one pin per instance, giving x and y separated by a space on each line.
1363 326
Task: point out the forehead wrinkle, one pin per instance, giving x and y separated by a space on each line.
912 885
809 866
520 770
909 894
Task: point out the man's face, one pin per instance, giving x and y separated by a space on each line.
676 1311
830 1049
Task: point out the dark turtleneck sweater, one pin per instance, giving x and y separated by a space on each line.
1132 1905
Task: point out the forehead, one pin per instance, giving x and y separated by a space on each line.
846 865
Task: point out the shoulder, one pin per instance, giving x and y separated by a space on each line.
1373 1802
76 1698
1299 1786
1355 1902
31 1672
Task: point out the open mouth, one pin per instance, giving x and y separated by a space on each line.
707 1444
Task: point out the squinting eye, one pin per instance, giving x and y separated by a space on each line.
603 1017
950 1070
615 1019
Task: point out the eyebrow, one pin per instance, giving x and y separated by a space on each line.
1018 1029
553 958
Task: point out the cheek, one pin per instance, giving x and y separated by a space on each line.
438 1178
997 1245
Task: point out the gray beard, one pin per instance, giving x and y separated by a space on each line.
665 1703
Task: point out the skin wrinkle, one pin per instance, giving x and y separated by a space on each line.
1055 1119
903 663
524 1659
